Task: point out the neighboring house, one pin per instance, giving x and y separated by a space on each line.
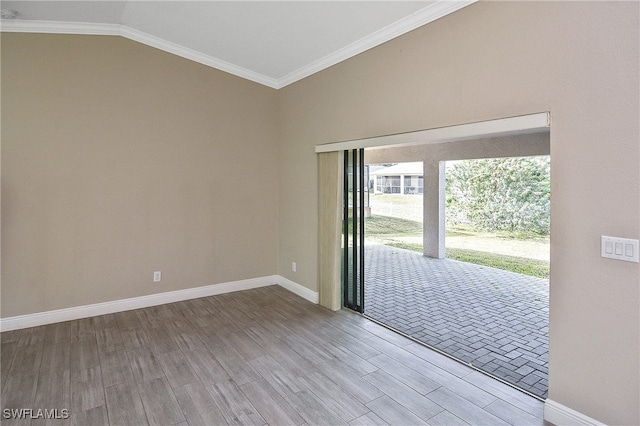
401 178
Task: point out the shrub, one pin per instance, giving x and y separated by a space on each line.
502 194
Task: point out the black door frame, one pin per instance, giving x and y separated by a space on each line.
353 247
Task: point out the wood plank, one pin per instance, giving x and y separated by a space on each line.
395 352
307 350
512 415
369 419
271 406
359 365
33 336
128 319
134 338
386 334
19 391
54 390
348 380
403 394
105 321
245 345
84 355
239 370
290 359
406 375
91 416
56 358
507 393
27 359
198 406
7 353
447 419
160 340
393 413
206 367
82 329
109 340
234 405
144 365
159 402
57 333
188 339
459 386
452 366
124 405
11 336
116 369
262 336
312 410
463 409
282 380
177 369
334 397
86 389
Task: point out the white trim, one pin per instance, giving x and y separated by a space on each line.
422 17
560 415
302 291
67 314
532 123
54 27
196 56
57 27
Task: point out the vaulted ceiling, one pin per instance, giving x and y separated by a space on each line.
274 43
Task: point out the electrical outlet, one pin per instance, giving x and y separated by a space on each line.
293 267
157 276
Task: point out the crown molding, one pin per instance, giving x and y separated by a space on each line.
409 23
55 27
196 56
424 16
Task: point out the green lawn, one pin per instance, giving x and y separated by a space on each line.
521 253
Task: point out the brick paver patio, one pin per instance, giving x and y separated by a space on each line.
495 320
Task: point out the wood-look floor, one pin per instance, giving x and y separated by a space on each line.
256 357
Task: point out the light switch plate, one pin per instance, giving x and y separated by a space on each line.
619 248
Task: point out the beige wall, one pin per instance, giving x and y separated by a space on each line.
119 159
578 60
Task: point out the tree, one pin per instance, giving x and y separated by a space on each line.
509 194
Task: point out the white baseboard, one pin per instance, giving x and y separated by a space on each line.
68 314
302 291
561 415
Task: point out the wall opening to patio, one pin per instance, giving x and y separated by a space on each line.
493 319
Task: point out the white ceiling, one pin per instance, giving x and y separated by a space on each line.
271 42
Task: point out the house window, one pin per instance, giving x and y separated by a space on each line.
388 184
408 189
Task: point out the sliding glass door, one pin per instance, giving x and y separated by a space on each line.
355 192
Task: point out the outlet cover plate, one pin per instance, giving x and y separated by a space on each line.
619 248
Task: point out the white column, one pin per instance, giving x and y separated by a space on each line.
433 208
